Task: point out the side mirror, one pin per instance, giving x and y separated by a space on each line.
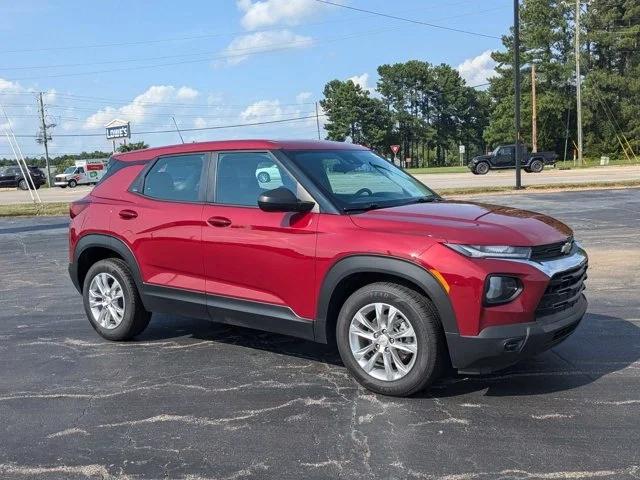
282 200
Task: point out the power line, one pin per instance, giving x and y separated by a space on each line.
152 132
192 37
417 22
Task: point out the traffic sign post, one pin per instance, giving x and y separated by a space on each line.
461 149
395 149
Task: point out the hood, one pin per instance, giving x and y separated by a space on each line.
481 157
468 223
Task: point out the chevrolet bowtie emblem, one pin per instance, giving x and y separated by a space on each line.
566 248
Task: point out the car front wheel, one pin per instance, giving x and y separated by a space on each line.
536 166
72 184
112 302
390 339
22 184
482 168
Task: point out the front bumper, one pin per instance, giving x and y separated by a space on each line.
499 347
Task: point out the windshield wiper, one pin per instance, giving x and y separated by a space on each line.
362 208
423 200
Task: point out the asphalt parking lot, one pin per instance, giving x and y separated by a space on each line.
192 399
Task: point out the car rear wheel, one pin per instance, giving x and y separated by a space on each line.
482 168
112 302
390 339
72 184
22 184
536 166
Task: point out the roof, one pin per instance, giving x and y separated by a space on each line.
149 153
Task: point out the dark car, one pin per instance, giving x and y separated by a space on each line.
340 246
504 157
12 177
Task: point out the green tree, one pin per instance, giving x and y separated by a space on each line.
129 147
546 41
352 113
612 83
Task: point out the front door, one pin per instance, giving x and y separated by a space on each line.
504 157
255 260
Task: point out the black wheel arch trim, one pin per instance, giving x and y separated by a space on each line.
108 242
398 267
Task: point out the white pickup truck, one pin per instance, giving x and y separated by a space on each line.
85 172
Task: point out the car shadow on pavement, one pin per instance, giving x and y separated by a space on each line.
600 346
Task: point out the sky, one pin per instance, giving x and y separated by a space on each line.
214 63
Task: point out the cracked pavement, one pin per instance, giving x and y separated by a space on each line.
193 399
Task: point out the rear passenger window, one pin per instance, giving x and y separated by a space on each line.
175 178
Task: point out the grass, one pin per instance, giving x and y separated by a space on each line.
31 210
531 188
457 169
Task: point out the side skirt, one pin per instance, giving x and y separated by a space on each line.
228 310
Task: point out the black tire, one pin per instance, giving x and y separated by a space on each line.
72 184
536 166
135 318
482 168
431 353
22 184
264 177
38 187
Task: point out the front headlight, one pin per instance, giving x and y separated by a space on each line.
491 251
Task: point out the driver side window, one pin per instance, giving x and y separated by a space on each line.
242 176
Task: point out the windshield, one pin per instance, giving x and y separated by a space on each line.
70 170
495 151
360 179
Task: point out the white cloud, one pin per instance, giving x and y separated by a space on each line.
199 122
479 69
262 109
259 14
361 80
302 97
187 93
141 106
242 47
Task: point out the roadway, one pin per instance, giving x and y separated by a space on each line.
437 181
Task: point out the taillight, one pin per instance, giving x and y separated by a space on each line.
77 207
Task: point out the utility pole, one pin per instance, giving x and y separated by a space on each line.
516 81
534 113
578 84
45 139
318 121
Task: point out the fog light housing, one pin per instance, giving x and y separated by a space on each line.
499 289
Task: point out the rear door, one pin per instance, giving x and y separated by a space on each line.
165 225
8 177
255 259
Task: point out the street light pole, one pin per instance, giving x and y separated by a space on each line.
516 82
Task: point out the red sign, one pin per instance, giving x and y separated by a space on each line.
94 166
395 148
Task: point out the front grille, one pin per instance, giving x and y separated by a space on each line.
549 251
563 292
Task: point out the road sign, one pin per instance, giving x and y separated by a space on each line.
395 149
118 129
461 148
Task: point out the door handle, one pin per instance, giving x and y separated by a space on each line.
219 222
128 214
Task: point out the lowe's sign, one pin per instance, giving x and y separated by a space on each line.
118 131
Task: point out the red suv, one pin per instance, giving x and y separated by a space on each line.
327 242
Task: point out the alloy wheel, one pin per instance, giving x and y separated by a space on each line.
383 341
106 300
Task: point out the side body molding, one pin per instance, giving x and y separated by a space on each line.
383 265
